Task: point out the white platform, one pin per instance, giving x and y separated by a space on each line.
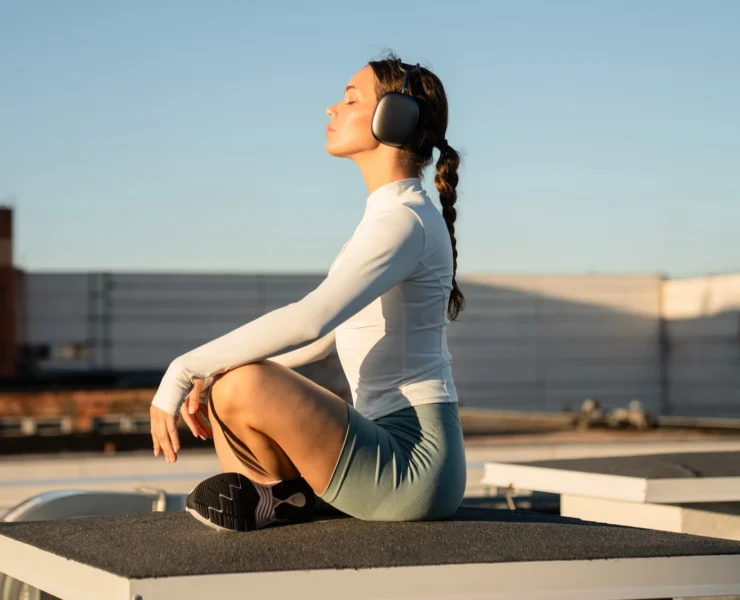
712 521
615 579
662 503
611 487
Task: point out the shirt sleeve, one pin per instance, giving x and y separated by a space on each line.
384 251
315 351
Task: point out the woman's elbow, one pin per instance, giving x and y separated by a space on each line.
315 331
315 322
309 329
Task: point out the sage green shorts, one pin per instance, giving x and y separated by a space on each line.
407 466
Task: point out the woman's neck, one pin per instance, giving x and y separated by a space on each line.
379 173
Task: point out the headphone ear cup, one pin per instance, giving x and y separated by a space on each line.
395 119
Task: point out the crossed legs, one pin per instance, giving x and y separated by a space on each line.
281 425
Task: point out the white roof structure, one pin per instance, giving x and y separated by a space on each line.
481 553
656 478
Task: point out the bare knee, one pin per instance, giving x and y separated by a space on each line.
238 399
237 392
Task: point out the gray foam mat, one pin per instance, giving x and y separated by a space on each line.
175 544
688 465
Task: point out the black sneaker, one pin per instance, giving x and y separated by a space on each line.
232 502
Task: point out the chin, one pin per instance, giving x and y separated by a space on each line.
348 150
336 150
331 151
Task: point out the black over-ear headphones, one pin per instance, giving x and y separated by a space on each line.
397 113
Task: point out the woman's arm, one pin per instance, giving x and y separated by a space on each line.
385 250
319 350
314 352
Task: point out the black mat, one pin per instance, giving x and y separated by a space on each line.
172 544
690 465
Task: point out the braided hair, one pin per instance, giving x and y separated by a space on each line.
426 87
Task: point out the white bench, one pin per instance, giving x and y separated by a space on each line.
697 492
479 554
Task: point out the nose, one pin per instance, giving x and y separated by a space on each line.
330 112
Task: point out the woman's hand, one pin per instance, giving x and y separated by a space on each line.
195 414
164 425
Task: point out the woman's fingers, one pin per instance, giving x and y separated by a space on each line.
172 430
164 433
153 418
164 440
194 396
204 424
195 423
189 420
155 441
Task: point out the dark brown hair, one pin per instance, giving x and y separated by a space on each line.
426 87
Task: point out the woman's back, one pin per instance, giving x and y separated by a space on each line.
394 350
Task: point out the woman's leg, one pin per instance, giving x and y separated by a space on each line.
287 424
254 455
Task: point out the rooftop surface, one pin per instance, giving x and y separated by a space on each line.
175 544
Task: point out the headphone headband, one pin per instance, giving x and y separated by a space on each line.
407 70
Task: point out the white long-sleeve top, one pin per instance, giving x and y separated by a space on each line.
383 306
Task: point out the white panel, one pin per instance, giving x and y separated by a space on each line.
687 373
486 397
464 350
704 334
494 371
556 330
154 319
634 294
522 342
147 357
711 400
701 297
54 311
609 396
613 374
705 351
723 326
61 330
609 326
534 398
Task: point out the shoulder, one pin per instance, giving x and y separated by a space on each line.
400 221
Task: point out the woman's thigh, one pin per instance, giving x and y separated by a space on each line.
307 421
407 466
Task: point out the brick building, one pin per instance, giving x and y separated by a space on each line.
8 296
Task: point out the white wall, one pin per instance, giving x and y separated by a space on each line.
527 342
55 310
523 342
703 324
143 321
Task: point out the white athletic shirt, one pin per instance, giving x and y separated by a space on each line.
383 305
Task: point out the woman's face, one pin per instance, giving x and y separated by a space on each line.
349 130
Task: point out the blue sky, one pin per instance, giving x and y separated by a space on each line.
189 136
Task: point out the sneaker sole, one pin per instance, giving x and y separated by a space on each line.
205 521
226 502
233 493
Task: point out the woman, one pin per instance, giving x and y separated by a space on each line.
397 453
